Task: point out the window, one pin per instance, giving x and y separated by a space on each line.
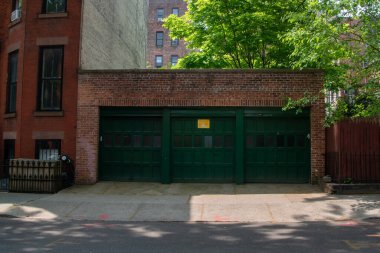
9 153
175 11
350 95
280 141
269 141
16 10
160 14
50 89
159 61
157 141
188 141
228 141
174 60
54 6
208 142
159 39
301 141
197 141
12 82
108 140
137 141
16 5
174 42
9 149
178 141
148 141
249 141
290 140
218 143
260 141
48 149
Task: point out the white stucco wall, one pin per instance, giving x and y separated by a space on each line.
114 34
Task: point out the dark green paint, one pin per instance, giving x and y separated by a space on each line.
130 149
219 154
203 155
239 148
165 165
203 113
277 150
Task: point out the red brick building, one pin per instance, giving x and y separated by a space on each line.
145 125
162 51
43 45
40 58
198 126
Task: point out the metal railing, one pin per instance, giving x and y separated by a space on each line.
35 176
4 176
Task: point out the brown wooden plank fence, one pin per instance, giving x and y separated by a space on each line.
353 151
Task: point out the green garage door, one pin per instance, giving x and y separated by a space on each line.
130 149
277 150
203 149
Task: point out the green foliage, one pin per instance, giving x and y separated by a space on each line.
196 60
342 37
238 33
299 104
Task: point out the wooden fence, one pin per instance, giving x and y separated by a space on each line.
353 152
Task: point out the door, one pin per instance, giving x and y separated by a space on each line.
277 150
203 149
130 148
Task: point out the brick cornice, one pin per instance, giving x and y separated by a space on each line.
319 72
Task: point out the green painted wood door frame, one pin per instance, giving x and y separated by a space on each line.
165 161
239 147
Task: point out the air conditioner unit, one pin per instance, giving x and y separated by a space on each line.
160 19
16 14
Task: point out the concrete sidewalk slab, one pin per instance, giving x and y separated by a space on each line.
190 202
96 211
168 212
236 213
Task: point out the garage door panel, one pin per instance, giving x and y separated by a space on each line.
203 154
277 150
131 150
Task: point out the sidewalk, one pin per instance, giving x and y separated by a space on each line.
191 202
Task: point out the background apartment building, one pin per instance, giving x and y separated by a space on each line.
163 52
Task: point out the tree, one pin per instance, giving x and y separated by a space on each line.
234 33
343 38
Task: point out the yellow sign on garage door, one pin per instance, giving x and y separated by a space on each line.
204 123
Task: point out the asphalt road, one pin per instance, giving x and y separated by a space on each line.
23 235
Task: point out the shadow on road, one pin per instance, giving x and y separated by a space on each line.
87 236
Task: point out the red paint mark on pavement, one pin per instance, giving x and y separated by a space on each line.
103 216
220 218
350 224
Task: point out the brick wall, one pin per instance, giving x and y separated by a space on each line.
153 26
195 88
3 10
32 31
